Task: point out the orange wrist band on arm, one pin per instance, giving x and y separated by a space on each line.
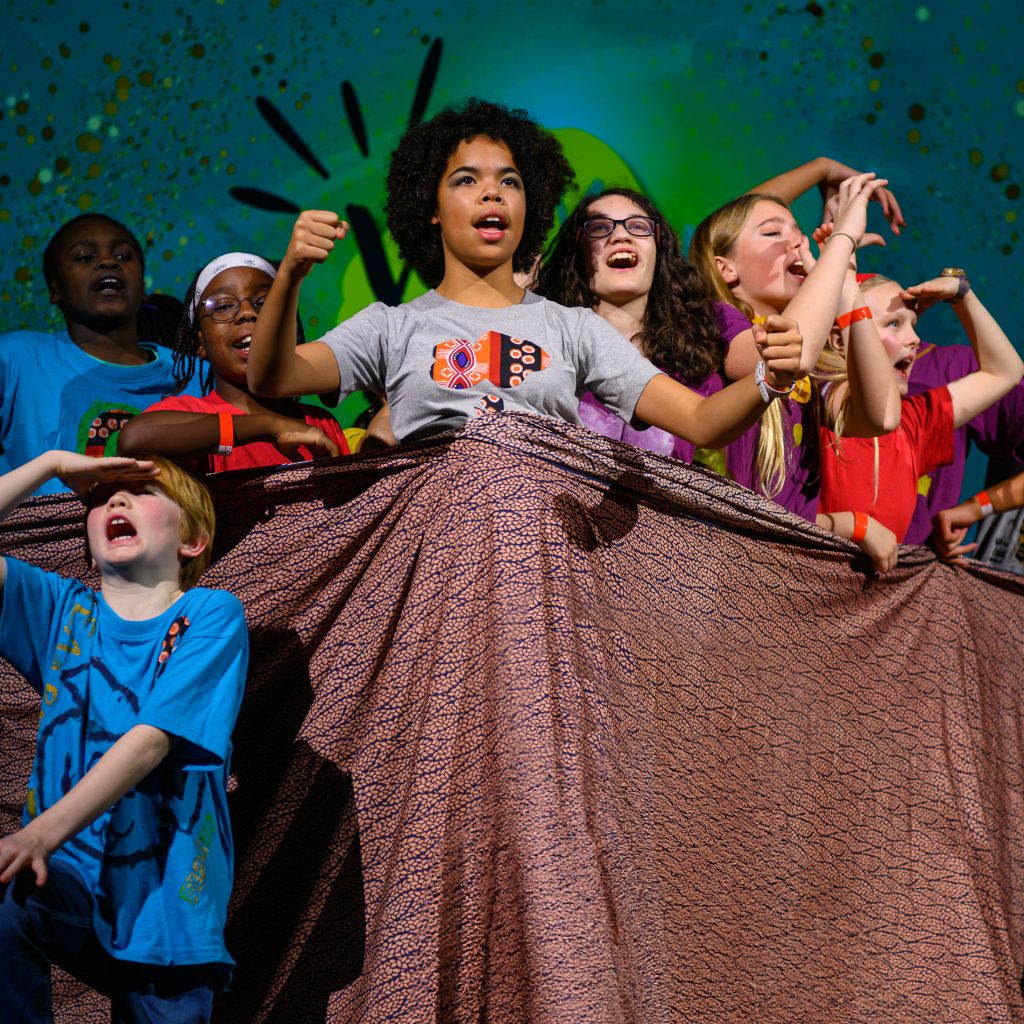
985 502
860 527
227 433
845 319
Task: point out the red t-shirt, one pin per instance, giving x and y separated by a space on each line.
920 444
256 453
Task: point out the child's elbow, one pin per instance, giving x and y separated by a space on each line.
130 440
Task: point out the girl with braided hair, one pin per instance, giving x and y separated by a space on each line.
228 427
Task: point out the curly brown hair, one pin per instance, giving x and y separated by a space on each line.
419 161
679 332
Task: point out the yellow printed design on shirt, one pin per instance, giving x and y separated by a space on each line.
192 887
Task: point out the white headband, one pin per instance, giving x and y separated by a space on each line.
226 262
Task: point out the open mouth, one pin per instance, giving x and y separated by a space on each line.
109 285
119 529
623 259
242 345
492 227
904 365
797 270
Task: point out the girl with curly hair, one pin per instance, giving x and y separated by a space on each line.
616 254
471 196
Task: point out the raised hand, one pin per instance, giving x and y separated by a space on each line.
829 189
290 435
823 232
851 211
314 236
926 294
780 344
80 472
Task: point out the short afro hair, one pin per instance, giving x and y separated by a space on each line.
52 250
419 160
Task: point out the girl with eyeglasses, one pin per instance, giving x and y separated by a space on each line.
228 427
617 255
471 195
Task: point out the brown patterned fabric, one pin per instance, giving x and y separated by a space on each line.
544 728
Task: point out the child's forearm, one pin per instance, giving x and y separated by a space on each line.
792 184
131 758
709 422
994 350
179 434
19 483
272 350
873 404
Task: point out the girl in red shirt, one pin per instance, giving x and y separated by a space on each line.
228 428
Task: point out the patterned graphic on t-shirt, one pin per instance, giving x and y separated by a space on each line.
498 358
488 405
174 634
99 426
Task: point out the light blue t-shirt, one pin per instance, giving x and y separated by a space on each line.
159 862
54 395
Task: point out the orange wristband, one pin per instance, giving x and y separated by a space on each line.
860 527
985 502
227 433
845 319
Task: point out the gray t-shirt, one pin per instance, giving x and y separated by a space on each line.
441 363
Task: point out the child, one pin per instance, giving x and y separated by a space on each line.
751 254
866 480
228 428
75 389
126 825
471 196
616 254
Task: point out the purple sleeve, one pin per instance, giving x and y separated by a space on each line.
730 322
999 430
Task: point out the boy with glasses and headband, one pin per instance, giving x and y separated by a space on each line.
228 427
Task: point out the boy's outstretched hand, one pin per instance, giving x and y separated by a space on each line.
313 237
80 472
22 851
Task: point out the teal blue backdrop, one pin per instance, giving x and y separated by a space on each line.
202 125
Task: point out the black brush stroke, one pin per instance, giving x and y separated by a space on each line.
288 134
382 284
355 117
264 200
425 86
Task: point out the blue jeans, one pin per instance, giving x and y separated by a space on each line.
53 925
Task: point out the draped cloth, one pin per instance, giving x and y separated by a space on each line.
541 727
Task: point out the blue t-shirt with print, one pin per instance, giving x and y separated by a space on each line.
159 862
55 395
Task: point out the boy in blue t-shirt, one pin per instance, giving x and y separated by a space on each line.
76 388
125 826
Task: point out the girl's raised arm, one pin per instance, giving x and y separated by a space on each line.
815 305
277 366
827 175
999 366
